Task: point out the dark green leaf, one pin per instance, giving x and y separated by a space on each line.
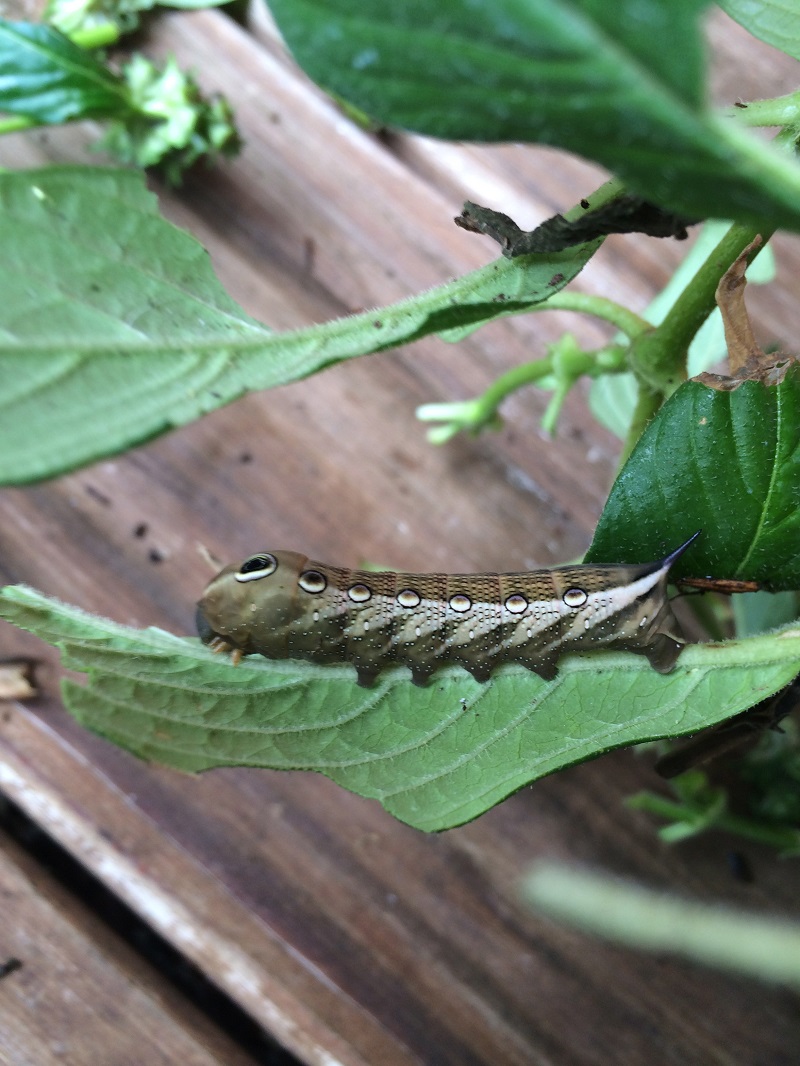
621 83
46 77
434 757
113 327
727 463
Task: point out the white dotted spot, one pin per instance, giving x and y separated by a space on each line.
312 581
359 593
575 597
460 602
516 603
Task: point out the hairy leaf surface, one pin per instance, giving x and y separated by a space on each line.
114 328
434 757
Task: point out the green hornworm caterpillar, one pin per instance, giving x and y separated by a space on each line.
284 606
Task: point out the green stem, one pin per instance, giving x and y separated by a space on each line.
601 195
516 378
647 404
739 940
658 358
627 322
15 123
772 165
100 36
565 366
777 111
783 838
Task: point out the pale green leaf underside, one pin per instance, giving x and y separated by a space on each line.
113 327
775 21
434 757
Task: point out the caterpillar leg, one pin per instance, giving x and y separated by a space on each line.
219 646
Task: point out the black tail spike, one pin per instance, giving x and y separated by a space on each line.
674 556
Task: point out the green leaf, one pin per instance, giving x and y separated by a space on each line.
773 21
434 757
82 19
758 612
46 77
193 5
727 463
113 327
621 83
174 126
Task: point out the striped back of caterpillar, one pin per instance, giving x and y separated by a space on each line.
283 605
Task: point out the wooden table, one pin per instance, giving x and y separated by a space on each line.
348 936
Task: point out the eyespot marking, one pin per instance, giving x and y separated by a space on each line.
312 581
256 567
516 603
460 602
359 593
575 597
408 598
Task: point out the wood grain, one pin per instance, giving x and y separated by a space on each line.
353 938
70 991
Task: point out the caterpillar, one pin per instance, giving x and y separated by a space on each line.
282 605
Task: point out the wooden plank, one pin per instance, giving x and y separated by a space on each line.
61 790
71 991
352 938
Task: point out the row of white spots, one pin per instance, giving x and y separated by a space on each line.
315 582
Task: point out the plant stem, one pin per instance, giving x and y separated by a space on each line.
777 111
627 322
99 36
14 123
658 358
784 838
773 165
766 947
605 192
513 379
648 402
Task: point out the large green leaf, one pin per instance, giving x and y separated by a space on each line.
44 76
775 21
113 327
725 462
434 757
621 83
